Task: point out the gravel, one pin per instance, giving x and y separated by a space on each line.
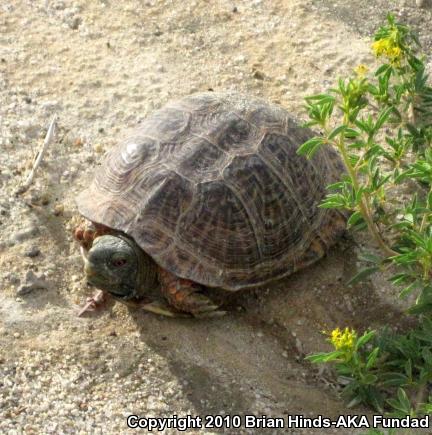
102 67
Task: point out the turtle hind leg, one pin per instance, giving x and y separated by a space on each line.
185 296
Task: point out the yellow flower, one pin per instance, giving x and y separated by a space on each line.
394 53
387 47
361 70
343 340
381 46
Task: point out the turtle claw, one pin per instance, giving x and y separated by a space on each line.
158 307
202 306
93 303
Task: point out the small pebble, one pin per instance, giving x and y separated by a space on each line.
32 252
51 105
32 282
58 210
26 233
98 148
258 75
74 22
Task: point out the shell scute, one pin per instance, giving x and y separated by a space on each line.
217 215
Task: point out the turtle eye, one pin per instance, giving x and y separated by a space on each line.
119 262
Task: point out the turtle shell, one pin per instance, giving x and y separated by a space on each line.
211 187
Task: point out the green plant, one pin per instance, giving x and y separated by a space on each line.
381 432
355 365
382 128
384 370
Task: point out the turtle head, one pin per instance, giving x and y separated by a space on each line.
119 266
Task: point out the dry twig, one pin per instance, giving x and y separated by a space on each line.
39 156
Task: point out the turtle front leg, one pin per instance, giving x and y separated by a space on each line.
87 231
99 298
184 295
93 303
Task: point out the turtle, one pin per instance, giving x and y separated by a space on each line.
208 192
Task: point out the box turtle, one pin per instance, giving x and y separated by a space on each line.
207 192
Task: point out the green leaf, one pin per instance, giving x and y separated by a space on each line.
309 124
320 99
408 368
369 379
353 115
310 147
371 258
429 200
415 39
393 379
382 69
323 357
382 118
350 133
374 150
400 278
375 399
421 308
335 186
367 336
335 200
363 125
372 358
355 401
363 274
336 131
403 400
423 336
427 356
427 325
325 112
407 290
355 219
359 194
358 144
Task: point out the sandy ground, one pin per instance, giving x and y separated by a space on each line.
102 66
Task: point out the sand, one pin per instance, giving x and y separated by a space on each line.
102 66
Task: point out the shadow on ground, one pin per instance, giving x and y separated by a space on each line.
252 360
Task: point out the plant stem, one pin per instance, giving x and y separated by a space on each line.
421 393
425 216
363 205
